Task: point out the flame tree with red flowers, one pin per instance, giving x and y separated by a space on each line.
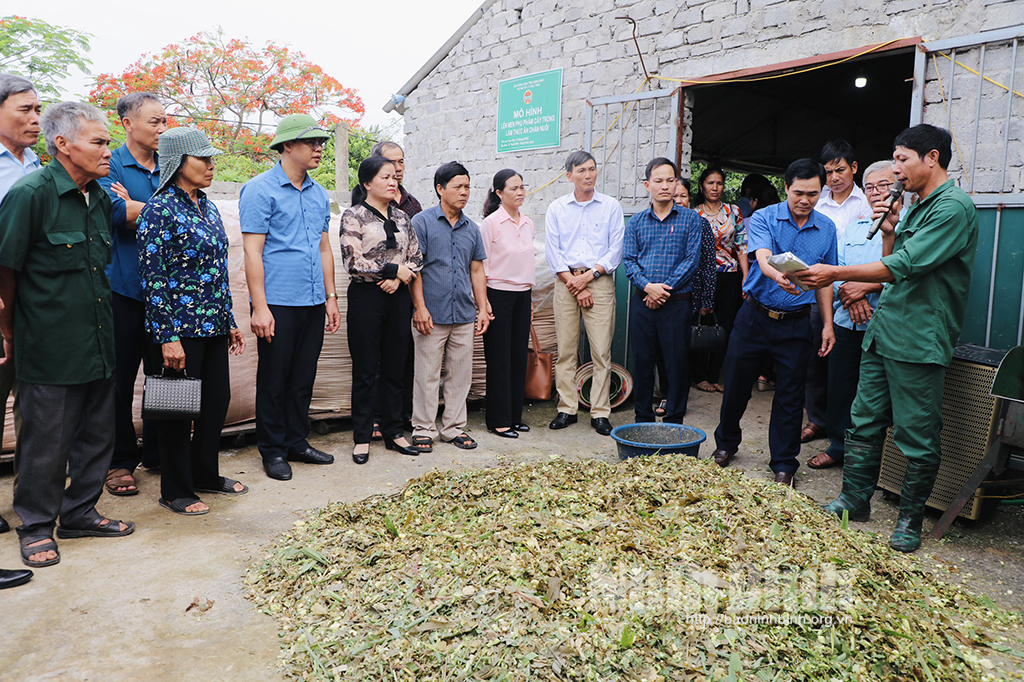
232 90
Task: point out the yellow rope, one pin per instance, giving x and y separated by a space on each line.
964 66
754 79
942 91
632 105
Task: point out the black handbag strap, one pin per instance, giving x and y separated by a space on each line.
714 320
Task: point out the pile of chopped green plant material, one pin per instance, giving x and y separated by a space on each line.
661 568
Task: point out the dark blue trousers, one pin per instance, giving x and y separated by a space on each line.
789 343
285 373
667 328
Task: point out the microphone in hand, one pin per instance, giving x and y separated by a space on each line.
895 192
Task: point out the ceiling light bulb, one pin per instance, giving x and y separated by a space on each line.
861 82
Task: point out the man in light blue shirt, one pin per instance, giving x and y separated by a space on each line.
134 177
289 268
775 319
853 305
19 130
583 247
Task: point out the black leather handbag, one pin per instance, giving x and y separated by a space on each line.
171 397
708 336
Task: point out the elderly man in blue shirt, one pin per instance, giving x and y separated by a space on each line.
854 303
19 130
661 251
450 306
289 268
775 319
134 177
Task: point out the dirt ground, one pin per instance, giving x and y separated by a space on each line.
115 609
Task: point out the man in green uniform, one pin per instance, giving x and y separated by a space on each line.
57 327
909 342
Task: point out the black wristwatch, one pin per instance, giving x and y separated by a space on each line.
597 273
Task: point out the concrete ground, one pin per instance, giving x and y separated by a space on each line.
115 609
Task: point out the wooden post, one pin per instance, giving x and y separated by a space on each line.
341 161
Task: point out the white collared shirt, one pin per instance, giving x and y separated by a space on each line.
583 234
853 209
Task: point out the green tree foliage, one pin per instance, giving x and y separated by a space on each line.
733 181
360 142
42 52
233 90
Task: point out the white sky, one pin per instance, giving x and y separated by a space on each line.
373 47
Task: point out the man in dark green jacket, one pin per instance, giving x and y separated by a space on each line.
910 339
58 330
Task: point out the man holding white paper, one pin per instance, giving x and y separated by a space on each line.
775 319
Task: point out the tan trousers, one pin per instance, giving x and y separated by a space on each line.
600 325
452 346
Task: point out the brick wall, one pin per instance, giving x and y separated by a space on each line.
452 114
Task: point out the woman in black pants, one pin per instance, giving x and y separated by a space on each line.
381 255
184 266
508 240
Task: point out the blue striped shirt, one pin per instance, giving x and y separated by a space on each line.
448 252
663 251
773 228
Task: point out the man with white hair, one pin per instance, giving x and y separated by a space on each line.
54 247
19 130
853 304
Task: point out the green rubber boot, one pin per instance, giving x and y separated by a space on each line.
917 488
861 465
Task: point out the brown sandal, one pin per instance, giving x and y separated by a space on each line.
121 478
706 386
823 460
811 432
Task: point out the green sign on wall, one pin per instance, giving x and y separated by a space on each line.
530 111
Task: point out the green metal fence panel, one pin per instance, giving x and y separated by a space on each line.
994 304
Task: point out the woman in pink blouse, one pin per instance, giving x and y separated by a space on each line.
508 240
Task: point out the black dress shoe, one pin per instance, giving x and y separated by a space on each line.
4 526
361 457
602 425
311 456
13 578
278 469
510 432
785 478
722 457
521 428
562 420
390 444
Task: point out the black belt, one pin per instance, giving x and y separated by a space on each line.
579 271
683 295
778 314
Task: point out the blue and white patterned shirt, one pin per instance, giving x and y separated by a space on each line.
448 252
663 251
183 252
773 228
